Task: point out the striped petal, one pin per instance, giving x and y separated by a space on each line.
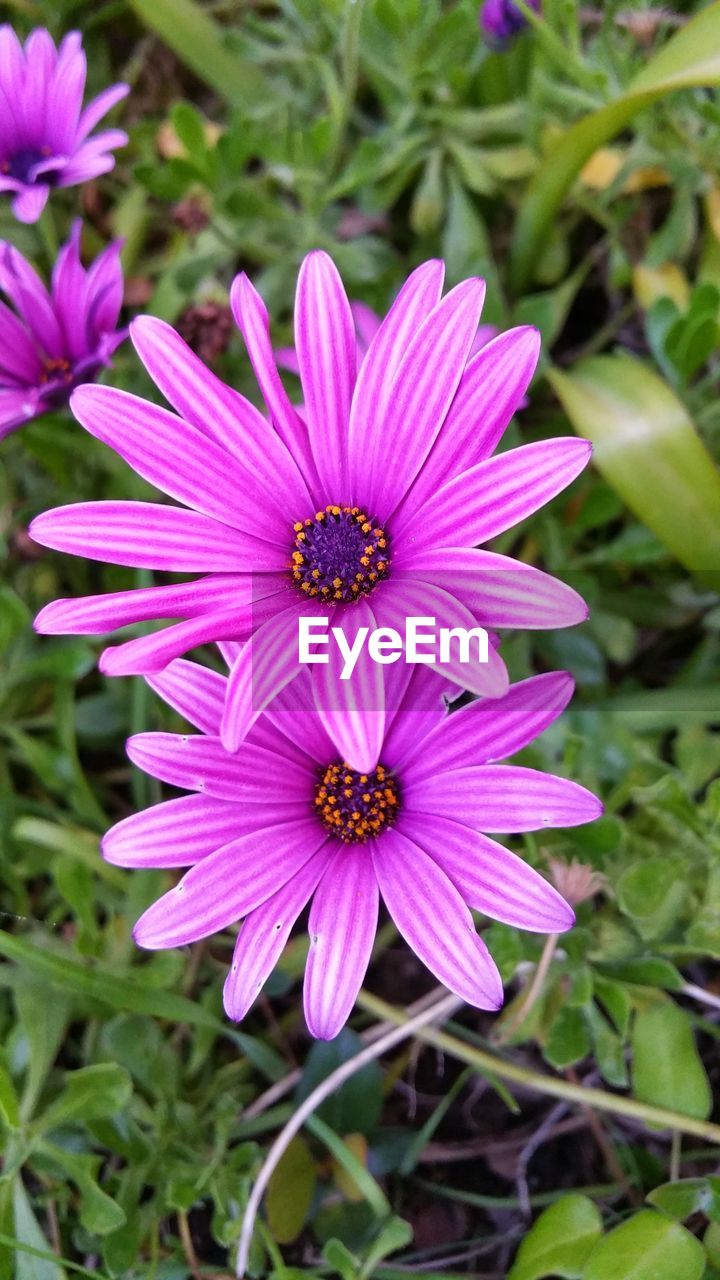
93 615
422 391
490 390
490 730
252 319
418 297
352 710
498 591
195 692
178 833
146 535
326 352
198 763
496 494
503 798
228 884
432 917
182 461
221 414
267 663
342 928
264 934
488 876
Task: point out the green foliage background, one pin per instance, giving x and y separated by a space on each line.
134 1116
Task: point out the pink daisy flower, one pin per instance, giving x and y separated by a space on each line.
286 820
44 132
369 511
56 338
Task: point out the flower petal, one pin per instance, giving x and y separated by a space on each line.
498 591
268 662
418 297
30 202
264 934
195 762
229 883
253 322
325 346
490 730
222 414
98 107
186 464
496 494
352 710
153 652
432 917
178 833
422 391
146 535
408 596
488 876
196 692
503 798
491 389
94 615
342 928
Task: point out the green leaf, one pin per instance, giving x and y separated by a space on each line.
290 1192
690 58
679 1200
28 1231
667 1070
90 1093
648 449
197 40
9 1105
568 1040
105 984
560 1241
647 1247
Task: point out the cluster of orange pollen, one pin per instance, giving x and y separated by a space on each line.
339 554
354 806
56 367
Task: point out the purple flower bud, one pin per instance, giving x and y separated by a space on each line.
501 19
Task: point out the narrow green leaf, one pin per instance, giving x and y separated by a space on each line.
197 40
105 984
690 58
648 449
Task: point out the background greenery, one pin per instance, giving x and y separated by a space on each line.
578 171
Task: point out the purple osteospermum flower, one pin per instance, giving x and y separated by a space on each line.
44 131
285 820
371 511
501 19
59 337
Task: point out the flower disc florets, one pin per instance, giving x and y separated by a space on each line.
339 555
354 806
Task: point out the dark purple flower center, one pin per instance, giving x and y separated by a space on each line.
339 555
21 164
354 806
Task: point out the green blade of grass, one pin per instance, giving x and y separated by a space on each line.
197 40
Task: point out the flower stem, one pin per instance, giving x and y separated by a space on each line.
552 1086
402 1027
